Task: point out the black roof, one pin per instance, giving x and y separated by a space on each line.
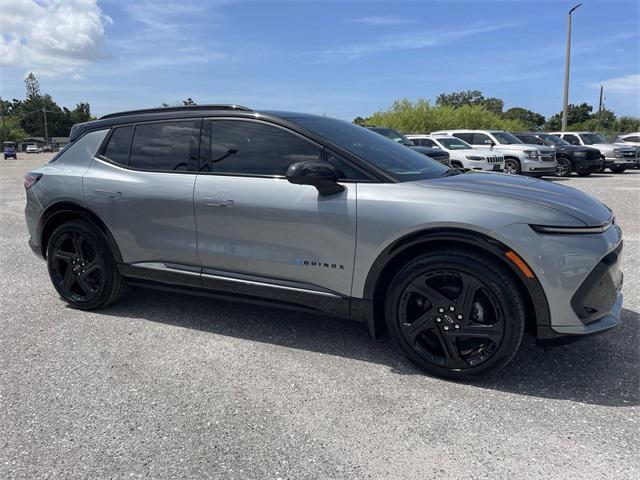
180 108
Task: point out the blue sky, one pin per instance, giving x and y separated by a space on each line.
344 58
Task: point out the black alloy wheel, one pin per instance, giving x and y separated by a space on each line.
82 268
564 167
455 314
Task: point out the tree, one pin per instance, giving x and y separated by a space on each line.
575 114
188 101
628 124
470 97
32 86
360 121
10 130
532 120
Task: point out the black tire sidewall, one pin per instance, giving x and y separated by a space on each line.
501 285
101 247
566 162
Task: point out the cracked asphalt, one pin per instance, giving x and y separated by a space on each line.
171 386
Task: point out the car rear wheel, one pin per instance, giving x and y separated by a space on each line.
455 314
564 167
512 166
584 174
617 169
82 267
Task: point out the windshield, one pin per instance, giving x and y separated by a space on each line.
398 161
591 138
505 138
552 139
454 144
392 134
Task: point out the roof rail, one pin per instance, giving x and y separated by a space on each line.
181 108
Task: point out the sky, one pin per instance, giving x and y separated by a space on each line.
343 59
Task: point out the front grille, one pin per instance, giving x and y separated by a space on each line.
495 159
629 154
547 156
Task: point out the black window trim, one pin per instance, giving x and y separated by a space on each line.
204 151
194 149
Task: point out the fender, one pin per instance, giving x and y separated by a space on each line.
390 260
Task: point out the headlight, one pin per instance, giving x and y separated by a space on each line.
475 158
580 154
617 152
565 230
531 154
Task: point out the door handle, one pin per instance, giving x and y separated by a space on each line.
212 202
108 193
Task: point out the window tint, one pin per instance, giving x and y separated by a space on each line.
164 146
427 142
572 139
347 171
631 139
119 144
530 139
467 137
481 139
251 148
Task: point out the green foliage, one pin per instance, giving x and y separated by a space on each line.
30 113
470 97
10 130
581 118
360 121
532 120
628 124
421 117
575 114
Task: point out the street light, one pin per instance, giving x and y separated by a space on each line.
565 103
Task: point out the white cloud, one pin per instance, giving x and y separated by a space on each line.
51 37
628 84
383 21
405 41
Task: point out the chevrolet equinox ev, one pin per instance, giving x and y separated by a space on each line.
324 216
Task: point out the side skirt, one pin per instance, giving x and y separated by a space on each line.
237 287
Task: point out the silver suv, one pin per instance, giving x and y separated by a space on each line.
324 216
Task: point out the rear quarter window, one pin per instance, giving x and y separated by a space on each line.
119 145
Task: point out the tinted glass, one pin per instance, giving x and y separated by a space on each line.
481 139
505 138
552 139
454 144
163 146
252 148
531 139
347 171
119 144
591 138
631 139
398 161
572 139
425 142
467 137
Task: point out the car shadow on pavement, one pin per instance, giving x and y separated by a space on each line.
602 369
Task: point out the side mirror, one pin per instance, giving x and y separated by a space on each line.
321 175
489 142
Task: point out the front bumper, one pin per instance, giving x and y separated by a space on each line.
538 167
628 162
579 275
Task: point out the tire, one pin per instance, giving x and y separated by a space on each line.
617 169
564 167
427 317
584 174
82 268
512 166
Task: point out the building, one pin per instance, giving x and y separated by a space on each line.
56 143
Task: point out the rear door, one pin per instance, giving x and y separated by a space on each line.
141 187
256 228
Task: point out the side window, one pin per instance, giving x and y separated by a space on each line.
530 139
632 139
427 142
164 146
481 139
467 137
572 139
348 171
119 144
252 148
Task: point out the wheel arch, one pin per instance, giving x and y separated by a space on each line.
391 259
58 213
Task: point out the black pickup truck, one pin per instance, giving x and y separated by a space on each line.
571 158
434 153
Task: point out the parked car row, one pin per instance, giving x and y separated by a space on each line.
528 153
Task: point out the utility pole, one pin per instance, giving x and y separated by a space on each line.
600 108
46 132
565 103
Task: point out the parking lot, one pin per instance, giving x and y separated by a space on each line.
173 386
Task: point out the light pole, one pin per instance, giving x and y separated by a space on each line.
565 103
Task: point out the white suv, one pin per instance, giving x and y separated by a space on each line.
519 158
462 154
617 156
33 148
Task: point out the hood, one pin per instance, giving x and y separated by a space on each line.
539 192
575 148
524 146
611 146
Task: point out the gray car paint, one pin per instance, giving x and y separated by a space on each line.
274 225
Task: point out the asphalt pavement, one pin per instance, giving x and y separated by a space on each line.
171 386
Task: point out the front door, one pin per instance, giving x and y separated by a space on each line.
255 229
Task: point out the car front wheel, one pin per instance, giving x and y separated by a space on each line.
82 267
512 167
564 167
455 314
